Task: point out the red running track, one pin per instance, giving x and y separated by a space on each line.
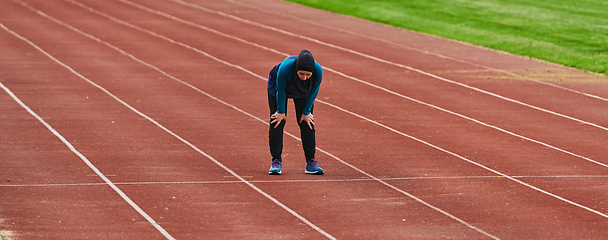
133 119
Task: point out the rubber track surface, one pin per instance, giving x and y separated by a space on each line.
135 119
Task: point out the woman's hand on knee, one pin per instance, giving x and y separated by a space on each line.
277 118
309 119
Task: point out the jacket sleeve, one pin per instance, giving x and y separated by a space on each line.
283 75
312 96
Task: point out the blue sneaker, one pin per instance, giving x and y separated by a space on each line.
275 168
312 167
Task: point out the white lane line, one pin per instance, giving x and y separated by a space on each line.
263 121
382 61
413 48
310 224
326 68
72 148
300 180
354 114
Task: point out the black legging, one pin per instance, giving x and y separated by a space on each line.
275 135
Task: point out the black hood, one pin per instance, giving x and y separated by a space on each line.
305 61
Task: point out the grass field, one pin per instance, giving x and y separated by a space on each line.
571 33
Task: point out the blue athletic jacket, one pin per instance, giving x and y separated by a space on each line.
281 86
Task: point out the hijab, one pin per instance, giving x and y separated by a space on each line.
305 62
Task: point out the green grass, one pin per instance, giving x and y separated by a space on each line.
571 33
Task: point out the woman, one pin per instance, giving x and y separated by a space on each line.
299 78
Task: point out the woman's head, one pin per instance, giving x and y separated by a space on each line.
305 65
